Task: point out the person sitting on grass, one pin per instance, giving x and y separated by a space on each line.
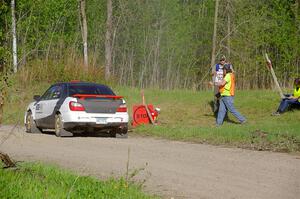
227 97
290 99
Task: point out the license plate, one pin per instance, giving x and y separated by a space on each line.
101 120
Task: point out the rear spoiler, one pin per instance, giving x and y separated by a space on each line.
83 96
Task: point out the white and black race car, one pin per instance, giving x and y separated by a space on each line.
78 107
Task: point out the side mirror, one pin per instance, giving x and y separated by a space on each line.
36 97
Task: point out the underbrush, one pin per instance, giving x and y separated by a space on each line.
41 71
34 180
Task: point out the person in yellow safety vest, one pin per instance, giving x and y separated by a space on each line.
227 87
218 75
290 99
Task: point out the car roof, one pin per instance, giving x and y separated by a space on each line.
79 83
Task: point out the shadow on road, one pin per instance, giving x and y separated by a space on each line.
85 134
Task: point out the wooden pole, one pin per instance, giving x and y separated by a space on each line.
147 109
270 67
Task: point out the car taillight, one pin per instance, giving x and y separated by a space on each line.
76 106
122 108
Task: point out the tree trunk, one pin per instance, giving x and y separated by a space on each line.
84 33
14 36
108 41
228 28
156 69
213 55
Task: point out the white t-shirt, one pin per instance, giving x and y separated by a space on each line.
219 73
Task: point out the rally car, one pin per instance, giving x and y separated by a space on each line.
78 107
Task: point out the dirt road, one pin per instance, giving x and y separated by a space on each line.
172 169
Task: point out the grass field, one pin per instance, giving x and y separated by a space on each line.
187 116
34 180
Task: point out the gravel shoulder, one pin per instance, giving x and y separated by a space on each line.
169 168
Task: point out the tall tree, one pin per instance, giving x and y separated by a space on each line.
3 50
213 52
14 36
4 53
108 40
84 32
228 9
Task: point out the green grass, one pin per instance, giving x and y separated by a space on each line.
34 180
187 115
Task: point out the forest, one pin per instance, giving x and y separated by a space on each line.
166 44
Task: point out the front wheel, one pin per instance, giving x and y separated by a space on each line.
30 124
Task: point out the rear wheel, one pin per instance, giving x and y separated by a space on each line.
59 127
30 124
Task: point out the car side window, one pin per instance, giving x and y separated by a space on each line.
53 92
56 92
47 94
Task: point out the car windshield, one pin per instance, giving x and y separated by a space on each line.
89 89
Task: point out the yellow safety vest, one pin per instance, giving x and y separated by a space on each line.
228 88
297 92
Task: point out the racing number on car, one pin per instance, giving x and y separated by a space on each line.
38 108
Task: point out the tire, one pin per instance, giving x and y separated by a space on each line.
120 132
59 127
30 124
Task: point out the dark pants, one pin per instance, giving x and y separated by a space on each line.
286 103
216 99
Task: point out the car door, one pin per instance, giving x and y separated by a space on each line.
49 106
45 107
40 106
